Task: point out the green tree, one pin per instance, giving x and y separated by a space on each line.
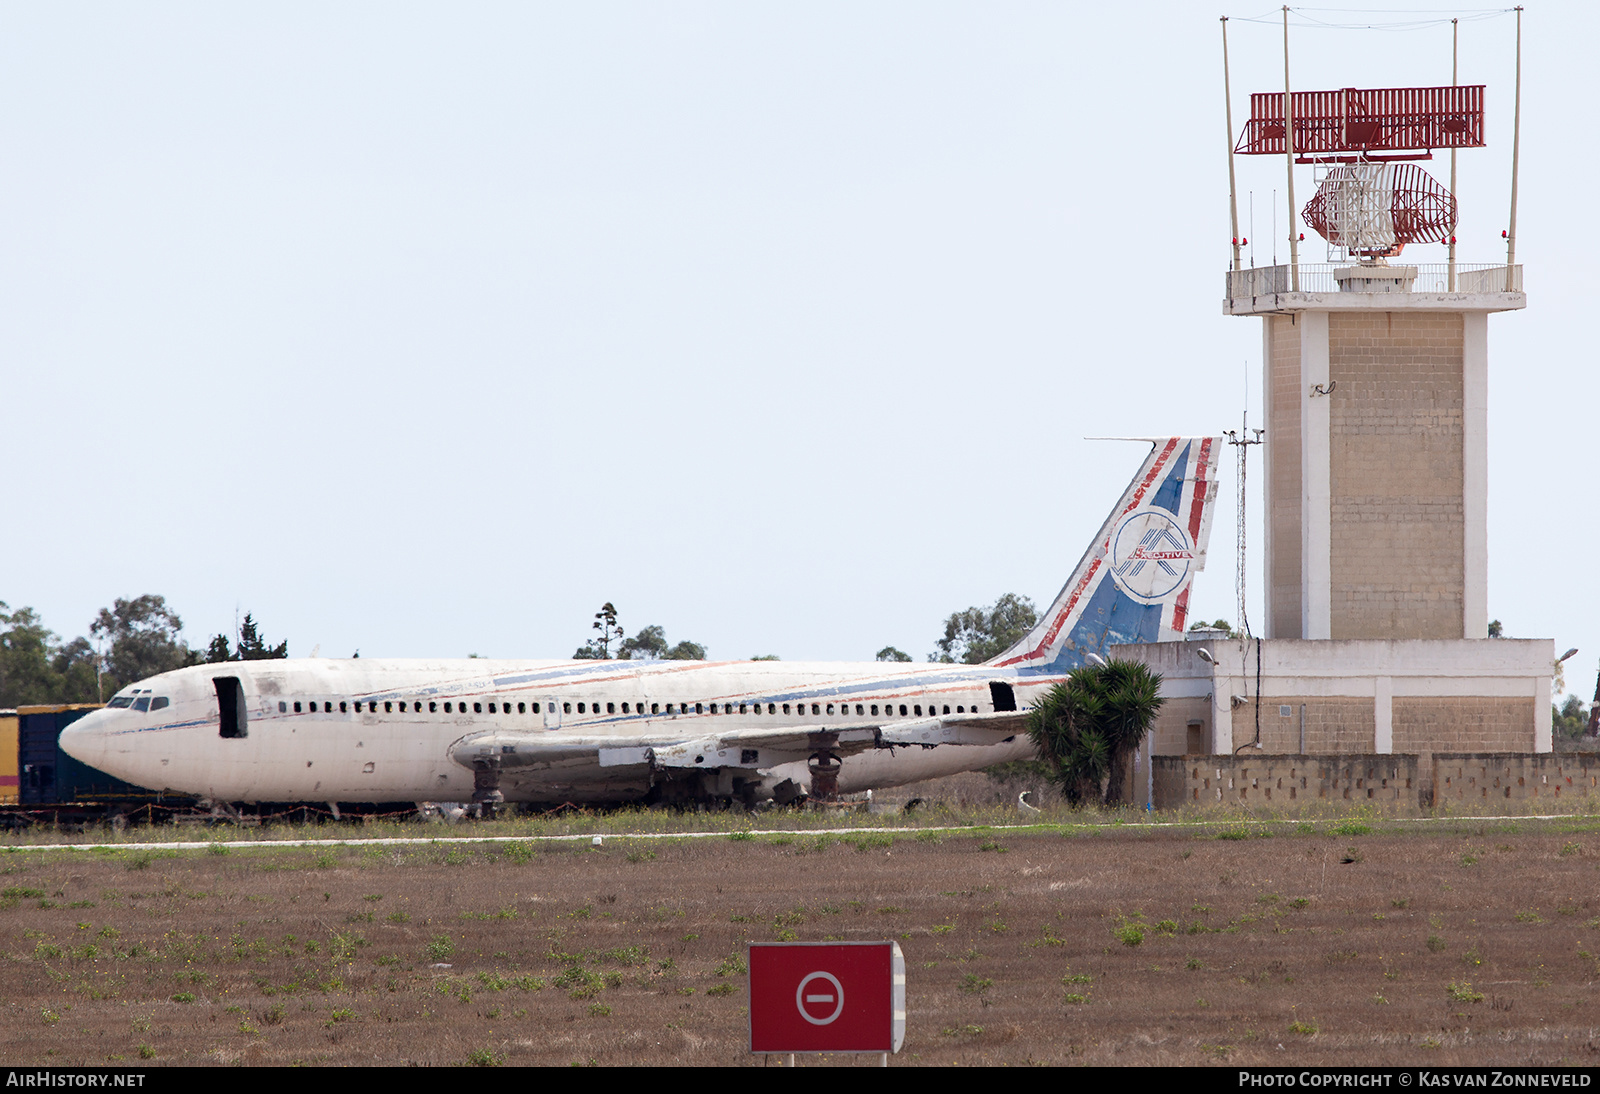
252 647
889 653
35 667
27 647
977 634
1217 625
76 667
599 648
685 651
1087 727
219 650
1570 719
142 639
650 642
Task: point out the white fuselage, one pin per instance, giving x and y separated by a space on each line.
368 730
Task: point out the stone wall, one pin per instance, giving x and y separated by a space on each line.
1406 781
1535 778
1262 779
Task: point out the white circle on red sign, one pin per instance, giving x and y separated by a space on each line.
819 998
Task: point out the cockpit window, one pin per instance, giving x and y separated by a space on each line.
142 703
121 701
159 702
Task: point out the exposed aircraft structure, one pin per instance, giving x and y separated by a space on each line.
372 730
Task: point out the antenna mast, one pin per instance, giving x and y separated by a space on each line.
1242 441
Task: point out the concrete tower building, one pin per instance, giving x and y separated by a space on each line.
1377 451
1374 678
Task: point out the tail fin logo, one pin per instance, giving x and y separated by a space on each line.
1151 555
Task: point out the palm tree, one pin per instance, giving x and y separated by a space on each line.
1087 727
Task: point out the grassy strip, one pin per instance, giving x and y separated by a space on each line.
607 829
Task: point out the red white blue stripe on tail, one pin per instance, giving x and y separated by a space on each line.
1133 583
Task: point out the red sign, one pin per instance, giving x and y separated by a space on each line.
827 997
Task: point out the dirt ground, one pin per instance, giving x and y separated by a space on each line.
1327 946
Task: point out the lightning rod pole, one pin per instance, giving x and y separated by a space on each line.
1288 148
1227 100
1455 80
1516 148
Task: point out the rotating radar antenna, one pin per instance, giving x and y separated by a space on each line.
1373 199
1374 209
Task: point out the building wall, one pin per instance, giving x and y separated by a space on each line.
1282 447
1170 735
1396 474
1332 724
1466 723
1415 696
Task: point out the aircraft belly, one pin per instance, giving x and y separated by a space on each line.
575 780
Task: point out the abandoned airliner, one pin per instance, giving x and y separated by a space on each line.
489 731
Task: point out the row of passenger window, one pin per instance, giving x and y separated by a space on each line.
585 707
390 705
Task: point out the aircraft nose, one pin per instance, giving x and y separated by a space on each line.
85 739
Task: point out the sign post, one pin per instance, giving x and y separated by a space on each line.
827 997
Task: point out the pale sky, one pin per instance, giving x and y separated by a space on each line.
425 329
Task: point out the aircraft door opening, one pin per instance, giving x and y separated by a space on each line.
1002 696
233 717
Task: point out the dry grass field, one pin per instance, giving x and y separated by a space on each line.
1325 942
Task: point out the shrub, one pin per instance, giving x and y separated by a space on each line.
1087 727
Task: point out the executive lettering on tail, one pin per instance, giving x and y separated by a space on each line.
1132 585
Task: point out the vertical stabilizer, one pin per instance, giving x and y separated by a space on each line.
1132 585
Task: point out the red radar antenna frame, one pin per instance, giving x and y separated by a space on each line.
1353 124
